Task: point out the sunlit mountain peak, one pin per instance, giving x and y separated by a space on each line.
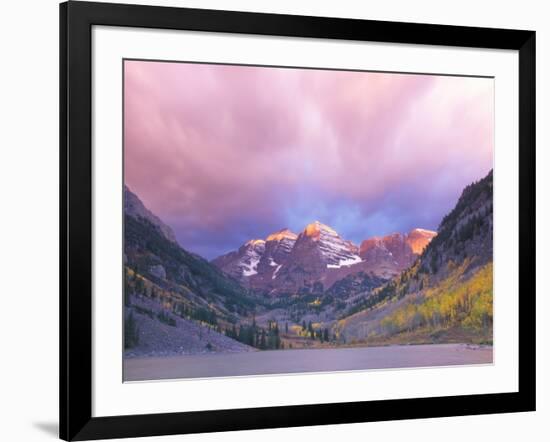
418 239
282 234
314 229
255 242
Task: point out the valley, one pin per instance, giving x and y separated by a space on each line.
311 290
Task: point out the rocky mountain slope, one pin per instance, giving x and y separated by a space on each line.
179 282
242 263
134 208
278 247
164 333
384 257
447 294
166 264
397 251
317 251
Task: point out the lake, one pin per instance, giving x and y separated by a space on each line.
304 361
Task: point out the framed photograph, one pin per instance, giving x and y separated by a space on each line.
273 220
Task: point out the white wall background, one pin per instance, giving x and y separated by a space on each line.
29 217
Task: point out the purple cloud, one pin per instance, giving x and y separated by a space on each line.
228 153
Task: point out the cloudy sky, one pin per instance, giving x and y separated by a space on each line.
224 154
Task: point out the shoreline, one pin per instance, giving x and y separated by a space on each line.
131 355
278 362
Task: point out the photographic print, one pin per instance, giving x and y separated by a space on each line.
295 220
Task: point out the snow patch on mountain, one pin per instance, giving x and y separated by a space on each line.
429 232
251 268
334 250
253 252
288 261
276 271
243 262
345 262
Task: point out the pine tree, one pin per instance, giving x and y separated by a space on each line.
139 286
250 336
262 340
240 334
131 332
277 337
127 289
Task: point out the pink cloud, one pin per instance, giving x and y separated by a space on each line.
206 143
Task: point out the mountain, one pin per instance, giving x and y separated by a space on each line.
317 250
134 207
395 252
318 257
415 287
332 250
381 259
278 247
188 280
418 239
285 261
257 262
446 296
242 263
466 233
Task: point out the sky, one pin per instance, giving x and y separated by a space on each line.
224 154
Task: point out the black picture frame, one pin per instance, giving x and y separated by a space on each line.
76 21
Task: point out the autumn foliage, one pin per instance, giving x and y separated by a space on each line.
456 302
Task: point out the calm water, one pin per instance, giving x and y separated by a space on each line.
303 361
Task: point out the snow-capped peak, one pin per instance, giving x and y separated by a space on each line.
315 228
255 242
418 239
250 257
423 231
282 234
335 252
